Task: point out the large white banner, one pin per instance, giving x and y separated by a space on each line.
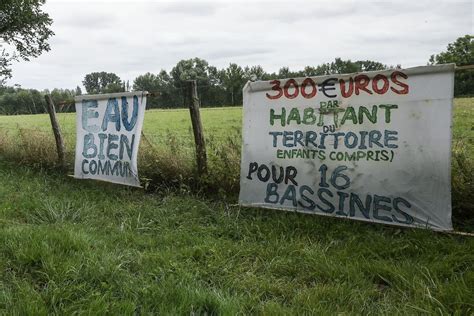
108 134
372 146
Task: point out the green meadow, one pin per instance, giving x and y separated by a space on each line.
183 246
217 123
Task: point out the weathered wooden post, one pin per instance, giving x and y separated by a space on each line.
193 103
56 130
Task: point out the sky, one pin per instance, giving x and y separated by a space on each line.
131 38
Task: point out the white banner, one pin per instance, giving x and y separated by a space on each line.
372 146
108 134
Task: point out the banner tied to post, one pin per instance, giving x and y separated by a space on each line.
108 134
373 146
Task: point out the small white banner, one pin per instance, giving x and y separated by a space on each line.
108 134
372 146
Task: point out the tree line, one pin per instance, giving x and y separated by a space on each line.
219 87
216 87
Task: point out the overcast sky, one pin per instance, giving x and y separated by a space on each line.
134 37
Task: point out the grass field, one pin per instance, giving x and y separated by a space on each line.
159 125
69 246
72 246
218 123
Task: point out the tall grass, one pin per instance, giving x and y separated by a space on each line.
71 247
165 160
462 185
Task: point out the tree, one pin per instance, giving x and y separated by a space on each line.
215 93
147 82
168 94
164 93
340 66
285 72
190 69
310 71
15 100
103 82
63 99
255 73
194 69
25 28
460 52
370 65
233 81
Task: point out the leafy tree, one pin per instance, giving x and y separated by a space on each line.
190 69
233 81
16 100
147 82
168 94
285 72
114 87
215 92
460 52
5 63
255 73
103 82
310 71
195 69
370 65
164 93
25 28
21 101
339 66
63 99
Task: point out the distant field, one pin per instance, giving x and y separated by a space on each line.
217 122
156 121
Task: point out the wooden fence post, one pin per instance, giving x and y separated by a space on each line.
193 103
56 130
